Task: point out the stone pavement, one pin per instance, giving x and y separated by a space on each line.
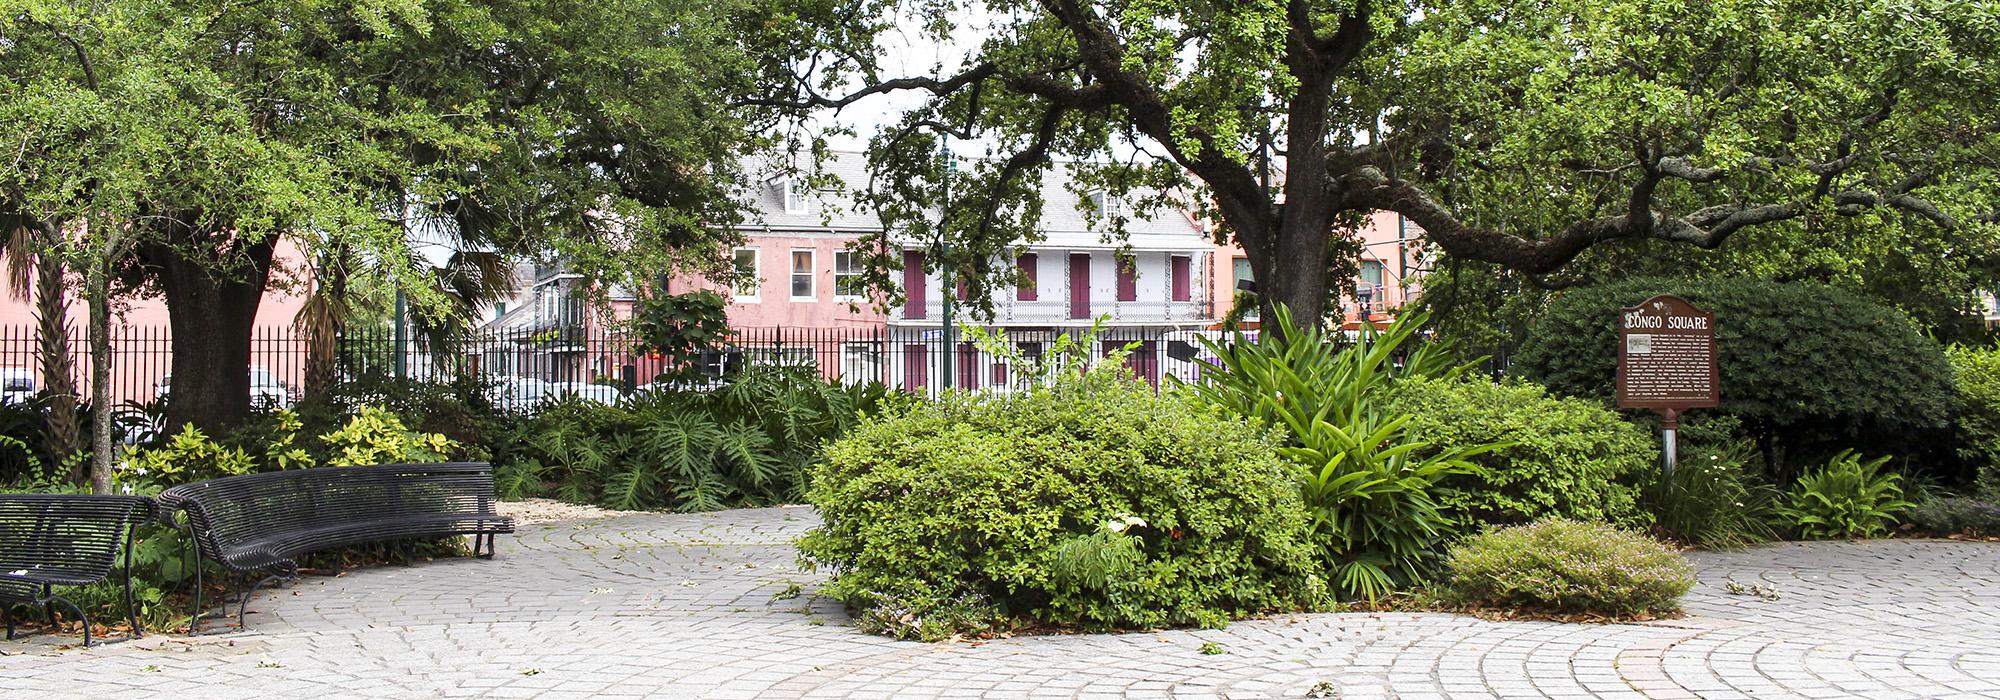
713 606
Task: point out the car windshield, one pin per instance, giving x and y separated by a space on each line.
262 377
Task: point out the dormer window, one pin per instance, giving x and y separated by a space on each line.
1104 203
795 197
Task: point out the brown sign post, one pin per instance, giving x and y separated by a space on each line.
1667 362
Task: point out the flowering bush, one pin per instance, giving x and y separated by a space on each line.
1563 566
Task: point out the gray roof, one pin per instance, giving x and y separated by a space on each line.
1062 221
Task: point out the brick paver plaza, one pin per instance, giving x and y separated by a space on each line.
704 606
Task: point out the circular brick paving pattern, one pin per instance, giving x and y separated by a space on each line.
714 605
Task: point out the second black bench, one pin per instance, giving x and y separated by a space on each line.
263 522
49 540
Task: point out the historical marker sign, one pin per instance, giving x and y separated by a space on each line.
1666 362
1666 356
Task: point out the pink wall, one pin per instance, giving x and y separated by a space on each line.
283 297
773 303
1378 243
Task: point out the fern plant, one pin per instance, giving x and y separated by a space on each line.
1848 498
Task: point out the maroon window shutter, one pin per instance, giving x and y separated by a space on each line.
1079 285
1128 280
1181 272
968 366
916 365
999 374
913 283
961 290
1026 292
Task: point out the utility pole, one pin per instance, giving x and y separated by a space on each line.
947 283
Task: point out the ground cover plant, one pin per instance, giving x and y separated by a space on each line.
1089 502
1567 567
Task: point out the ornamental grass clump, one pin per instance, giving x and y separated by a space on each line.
1568 567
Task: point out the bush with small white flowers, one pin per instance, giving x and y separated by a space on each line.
1567 567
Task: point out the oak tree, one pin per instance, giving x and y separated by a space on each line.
1517 132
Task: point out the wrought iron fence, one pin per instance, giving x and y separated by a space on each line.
908 358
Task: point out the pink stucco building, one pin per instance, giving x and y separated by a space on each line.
798 295
1391 256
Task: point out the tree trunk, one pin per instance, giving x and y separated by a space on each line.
64 432
97 292
211 315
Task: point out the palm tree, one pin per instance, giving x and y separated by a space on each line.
31 261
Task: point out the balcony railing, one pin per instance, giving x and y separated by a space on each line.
1058 312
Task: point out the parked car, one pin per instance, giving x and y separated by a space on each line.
703 384
266 390
17 385
599 393
519 394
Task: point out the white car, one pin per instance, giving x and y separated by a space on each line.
518 393
599 393
266 390
17 385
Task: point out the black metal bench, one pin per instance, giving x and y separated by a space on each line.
261 522
49 540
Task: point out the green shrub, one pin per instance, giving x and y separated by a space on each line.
1847 498
187 457
1370 484
1567 458
1711 499
1564 566
1807 368
1977 374
376 436
1956 515
983 511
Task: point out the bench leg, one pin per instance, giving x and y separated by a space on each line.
243 607
80 614
131 609
7 611
194 623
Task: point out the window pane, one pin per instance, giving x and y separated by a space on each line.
746 273
802 273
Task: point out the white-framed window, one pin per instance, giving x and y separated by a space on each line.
802 274
749 273
796 195
847 284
